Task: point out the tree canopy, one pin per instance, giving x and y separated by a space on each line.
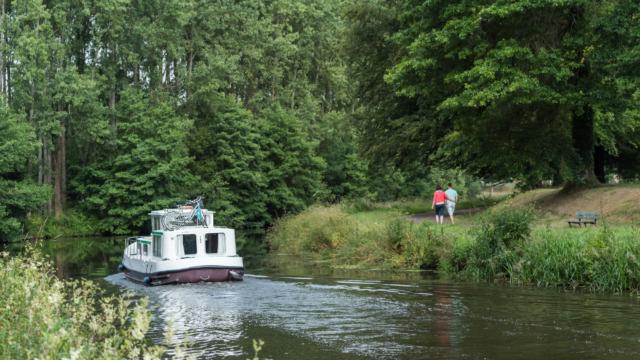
112 108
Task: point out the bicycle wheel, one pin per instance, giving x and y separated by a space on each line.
171 220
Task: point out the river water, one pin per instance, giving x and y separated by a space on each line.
305 310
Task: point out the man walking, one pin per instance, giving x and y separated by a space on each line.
452 199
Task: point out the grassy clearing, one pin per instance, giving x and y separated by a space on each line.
510 243
42 317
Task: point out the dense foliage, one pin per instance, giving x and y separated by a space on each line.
112 108
44 317
529 90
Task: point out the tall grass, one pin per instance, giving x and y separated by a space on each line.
42 317
601 259
500 235
502 245
381 239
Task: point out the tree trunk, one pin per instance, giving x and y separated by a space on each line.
584 145
112 108
46 169
3 91
598 163
59 171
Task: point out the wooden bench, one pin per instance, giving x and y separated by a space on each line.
584 218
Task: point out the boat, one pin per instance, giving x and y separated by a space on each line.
184 247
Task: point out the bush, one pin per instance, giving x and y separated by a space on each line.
499 235
421 246
44 317
72 223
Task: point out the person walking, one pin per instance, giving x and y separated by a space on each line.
438 203
452 200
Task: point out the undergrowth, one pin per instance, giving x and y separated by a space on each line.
43 317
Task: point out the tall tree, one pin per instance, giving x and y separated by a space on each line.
501 88
149 167
18 194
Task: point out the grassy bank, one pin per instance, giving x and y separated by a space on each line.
44 317
510 243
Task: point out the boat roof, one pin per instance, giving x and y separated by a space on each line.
164 211
194 228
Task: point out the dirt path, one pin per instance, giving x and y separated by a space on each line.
430 216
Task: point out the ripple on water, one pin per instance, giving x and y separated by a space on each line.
390 320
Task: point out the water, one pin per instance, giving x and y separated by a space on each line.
304 310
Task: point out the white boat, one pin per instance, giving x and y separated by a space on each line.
184 247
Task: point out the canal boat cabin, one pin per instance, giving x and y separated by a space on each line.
184 247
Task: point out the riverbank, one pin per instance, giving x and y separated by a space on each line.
42 316
524 240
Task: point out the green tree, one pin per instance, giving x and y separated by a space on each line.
149 165
291 166
504 89
227 158
18 194
346 172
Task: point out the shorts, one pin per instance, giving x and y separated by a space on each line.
440 210
451 207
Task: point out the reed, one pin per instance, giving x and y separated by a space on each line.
600 259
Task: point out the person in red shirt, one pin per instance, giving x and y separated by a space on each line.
439 199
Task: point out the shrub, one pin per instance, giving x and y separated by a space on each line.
500 232
456 256
72 223
315 229
47 318
421 246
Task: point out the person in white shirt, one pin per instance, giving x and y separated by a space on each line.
452 199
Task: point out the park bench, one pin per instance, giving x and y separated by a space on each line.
584 218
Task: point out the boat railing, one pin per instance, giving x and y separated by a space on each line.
132 250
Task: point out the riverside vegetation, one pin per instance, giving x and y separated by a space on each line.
44 317
501 244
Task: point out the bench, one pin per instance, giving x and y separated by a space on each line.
584 218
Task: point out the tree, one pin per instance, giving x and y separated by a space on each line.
504 89
291 166
149 167
18 194
227 158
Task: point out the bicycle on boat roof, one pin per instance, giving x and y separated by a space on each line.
175 218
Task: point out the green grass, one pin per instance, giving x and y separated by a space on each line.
381 238
601 259
510 244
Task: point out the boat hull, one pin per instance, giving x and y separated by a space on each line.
191 275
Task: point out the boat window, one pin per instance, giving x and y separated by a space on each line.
145 249
155 223
214 243
189 244
157 245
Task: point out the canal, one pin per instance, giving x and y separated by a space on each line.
306 310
